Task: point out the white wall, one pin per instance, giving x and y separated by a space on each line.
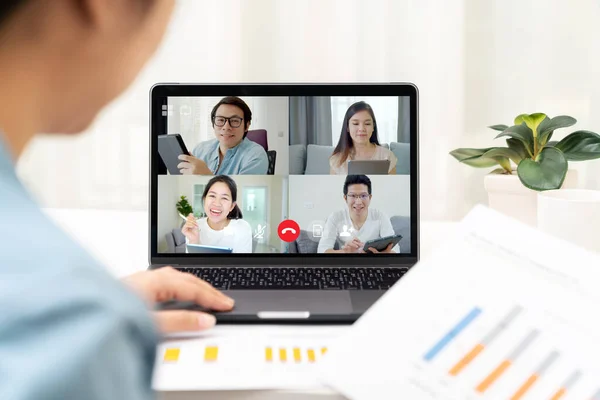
314 198
270 113
168 218
476 63
170 189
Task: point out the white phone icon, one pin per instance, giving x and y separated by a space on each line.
286 230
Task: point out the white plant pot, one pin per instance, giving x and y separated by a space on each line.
507 195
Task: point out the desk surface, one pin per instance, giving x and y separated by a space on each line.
119 240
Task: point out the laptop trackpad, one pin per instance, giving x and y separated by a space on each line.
292 301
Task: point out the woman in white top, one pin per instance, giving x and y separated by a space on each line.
358 141
357 223
223 226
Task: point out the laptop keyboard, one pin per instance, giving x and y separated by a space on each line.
306 278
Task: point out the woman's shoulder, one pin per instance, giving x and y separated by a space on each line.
334 159
240 224
383 152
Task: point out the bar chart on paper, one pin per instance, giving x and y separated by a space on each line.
239 362
510 353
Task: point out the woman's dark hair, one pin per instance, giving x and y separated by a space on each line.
234 101
236 213
357 180
345 144
7 7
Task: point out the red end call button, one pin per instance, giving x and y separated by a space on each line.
288 230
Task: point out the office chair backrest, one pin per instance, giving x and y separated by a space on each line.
272 155
259 136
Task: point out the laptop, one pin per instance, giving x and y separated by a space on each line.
294 233
373 167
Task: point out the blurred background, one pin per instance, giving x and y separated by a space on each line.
476 63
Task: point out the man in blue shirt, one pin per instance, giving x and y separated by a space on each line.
230 153
68 330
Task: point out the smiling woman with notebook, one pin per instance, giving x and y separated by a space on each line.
223 225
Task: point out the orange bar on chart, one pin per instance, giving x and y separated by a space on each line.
269 354
311 355
560 394
323 350
282 355
297 355
526 386
491 378
466 360
211 353
171 355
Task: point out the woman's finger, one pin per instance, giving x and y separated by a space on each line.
179 321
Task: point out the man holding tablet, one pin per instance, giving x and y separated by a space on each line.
230 153
356 224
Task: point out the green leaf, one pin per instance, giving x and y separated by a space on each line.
473 158
503 153
518 147
520 132
498 127
533 121
548 126
547 173
485 158
552 143
519 119
465 153
580 146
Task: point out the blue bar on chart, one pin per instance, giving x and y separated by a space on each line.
443 342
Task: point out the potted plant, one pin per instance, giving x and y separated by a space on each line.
531 162
183 207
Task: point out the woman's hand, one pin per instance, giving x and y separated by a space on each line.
386 250
191 230
192 166
353 246
167 283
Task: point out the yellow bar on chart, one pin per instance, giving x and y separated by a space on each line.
171 355
323 350
525 387
311 355
297 355
269 354
282 355
559 395
211 353
466 360
491 378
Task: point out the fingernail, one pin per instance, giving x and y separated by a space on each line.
229 301
206 321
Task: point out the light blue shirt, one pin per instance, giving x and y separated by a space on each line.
247 158
68 329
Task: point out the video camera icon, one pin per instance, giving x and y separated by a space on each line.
288 230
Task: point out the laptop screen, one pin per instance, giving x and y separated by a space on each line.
241 174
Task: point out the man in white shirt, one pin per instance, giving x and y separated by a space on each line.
357 223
